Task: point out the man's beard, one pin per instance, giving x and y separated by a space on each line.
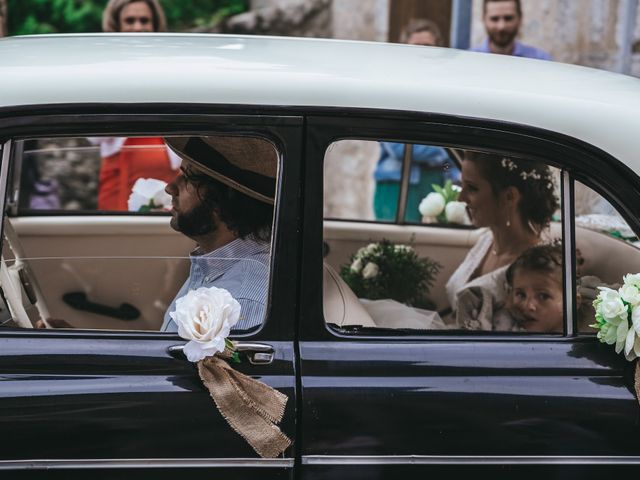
196 222
503 39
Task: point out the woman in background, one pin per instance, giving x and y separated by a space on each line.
125 160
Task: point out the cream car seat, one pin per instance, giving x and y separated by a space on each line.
341 306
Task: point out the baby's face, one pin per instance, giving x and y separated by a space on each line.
537 298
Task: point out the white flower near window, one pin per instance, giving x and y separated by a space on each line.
632 279
205 317
456 212
432 205
148 194
356 266
370 270
630 294
611 306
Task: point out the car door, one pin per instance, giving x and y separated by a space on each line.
384 402
115 402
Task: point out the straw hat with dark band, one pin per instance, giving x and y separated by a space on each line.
246 164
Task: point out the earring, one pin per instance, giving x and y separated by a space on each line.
508 222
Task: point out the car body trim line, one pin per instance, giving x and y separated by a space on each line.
72 464
467 460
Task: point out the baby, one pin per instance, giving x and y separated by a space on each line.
535 299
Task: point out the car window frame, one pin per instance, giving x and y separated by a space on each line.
578 158
282 128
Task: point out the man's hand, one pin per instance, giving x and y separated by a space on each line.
53 323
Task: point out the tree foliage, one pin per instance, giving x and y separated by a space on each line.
27 17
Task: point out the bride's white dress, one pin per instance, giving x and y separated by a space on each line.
474 300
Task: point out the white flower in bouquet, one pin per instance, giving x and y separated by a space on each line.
630 294
432 205
205 317
611 305
370 270
632 279
356 266
148 194
403 248
370 249
456 212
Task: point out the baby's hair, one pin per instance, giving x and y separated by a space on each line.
542 258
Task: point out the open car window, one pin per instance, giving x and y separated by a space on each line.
88 174
442 269
607 250
70 261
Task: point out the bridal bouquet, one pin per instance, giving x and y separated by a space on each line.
253 409
148 195
618 316
442 205
384 270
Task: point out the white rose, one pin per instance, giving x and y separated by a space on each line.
630 294
144 191
611 306
162 200
632 279
205 317
356 266
635 319
370 270
371 248
456 212
432 205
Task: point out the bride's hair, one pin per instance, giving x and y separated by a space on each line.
532 179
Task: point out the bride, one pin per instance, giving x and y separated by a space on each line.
514 200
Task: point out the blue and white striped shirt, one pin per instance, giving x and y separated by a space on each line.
242 268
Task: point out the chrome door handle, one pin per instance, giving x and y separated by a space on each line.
256 353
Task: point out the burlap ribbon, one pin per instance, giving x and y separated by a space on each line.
250 407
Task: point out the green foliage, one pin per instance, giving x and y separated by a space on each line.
28 17
184 15
384 270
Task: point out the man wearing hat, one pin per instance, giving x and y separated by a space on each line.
223 200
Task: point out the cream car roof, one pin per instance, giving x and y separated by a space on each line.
595 106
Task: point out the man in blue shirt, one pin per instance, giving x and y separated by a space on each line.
223 200
429 164
502 20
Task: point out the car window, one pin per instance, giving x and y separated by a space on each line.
445 270
207 227
385 199
86 175
607 249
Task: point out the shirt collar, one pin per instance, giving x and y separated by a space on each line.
222 259
517 48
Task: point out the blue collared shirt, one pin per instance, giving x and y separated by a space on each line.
242 268
519 50
389 168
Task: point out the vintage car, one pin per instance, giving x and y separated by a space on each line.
369 397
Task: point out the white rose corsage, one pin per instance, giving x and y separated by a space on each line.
205 317
618 316
147 195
